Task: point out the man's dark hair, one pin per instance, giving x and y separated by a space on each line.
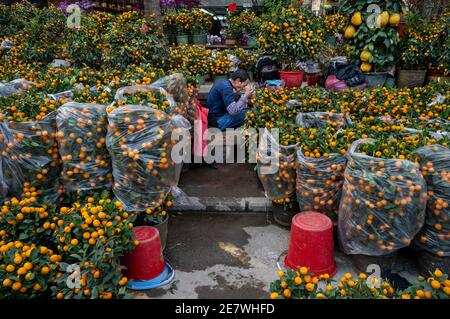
240 74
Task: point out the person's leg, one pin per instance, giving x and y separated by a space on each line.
231 121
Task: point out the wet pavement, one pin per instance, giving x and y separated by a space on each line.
232 255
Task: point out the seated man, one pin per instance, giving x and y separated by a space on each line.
226 106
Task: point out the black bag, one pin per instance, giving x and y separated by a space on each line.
349 73
266 69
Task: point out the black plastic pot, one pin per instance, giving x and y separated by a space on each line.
283 216
430 262
387 263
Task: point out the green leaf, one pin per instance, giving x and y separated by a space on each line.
34 254
109 276
94 292
23 236
76 256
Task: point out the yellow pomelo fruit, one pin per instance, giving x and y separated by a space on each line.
350 32
383 19
366 67
365 56
356 19
394 19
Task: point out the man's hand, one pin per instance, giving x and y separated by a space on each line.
249 90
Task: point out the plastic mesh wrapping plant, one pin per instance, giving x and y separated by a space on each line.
321 119
177 87
140 141
383 203
81 136
276 167
31 155
435 165
14 87
173 86
319 183
3 186
319 180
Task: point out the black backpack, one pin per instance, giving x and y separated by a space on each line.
266 69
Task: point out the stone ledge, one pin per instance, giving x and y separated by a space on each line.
223 204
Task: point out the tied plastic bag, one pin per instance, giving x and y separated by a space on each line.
57 63
319 180
14 87
174 86
65 96
234 62
276 167
185 100
139 141
81 136
319 183
7 45
322 119
383 203
435 165
332 83
152 96
3 186
31 156
439 99
349 73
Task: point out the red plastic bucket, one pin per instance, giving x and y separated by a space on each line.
146 261
312 244
292 78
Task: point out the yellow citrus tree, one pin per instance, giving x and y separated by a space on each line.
292 35
372 32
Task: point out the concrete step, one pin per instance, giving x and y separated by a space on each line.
224 204
229 188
